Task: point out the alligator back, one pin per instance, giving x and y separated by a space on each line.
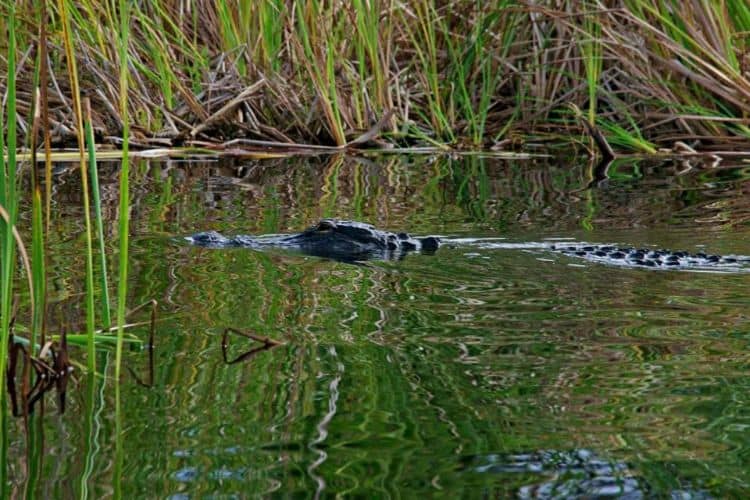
643 257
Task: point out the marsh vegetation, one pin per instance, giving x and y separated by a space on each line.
450 73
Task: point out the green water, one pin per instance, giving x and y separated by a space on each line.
430 376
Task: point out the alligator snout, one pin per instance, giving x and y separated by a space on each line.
210 239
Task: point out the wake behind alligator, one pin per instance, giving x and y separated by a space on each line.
351 241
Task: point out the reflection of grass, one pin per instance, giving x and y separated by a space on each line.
330 187
413 380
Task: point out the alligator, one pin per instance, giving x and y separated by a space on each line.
351 241
342 240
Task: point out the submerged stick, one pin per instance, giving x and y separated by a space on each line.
268 343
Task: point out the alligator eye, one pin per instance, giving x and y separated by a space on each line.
325 225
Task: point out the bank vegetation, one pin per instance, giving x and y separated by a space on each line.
646 74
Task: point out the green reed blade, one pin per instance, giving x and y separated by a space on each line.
124 222
39 113
592 60
93 172
7 244
124 231
270 12
37 262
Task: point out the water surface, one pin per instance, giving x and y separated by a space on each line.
475 372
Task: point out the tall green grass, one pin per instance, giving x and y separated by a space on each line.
422 28
93 172
591 48
475 77
124 219
271 26
11 244
8 200
65 14
318 54
34 427
373 46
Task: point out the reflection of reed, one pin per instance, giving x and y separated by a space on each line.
323 425
322 304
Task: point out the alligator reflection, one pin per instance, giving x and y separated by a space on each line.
572 474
